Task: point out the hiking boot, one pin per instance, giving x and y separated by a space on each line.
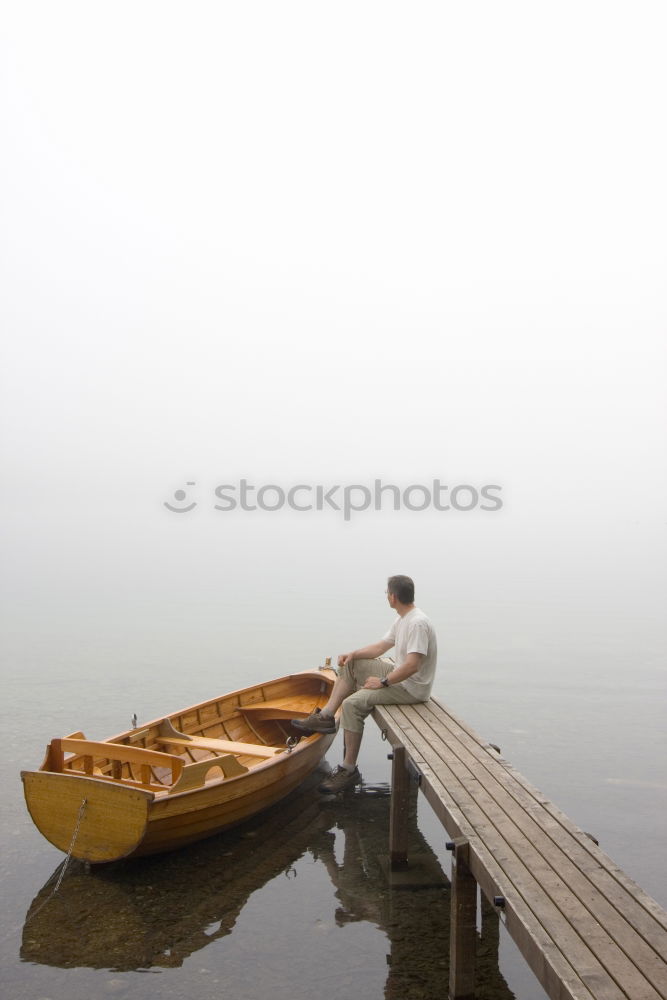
340 780
315 723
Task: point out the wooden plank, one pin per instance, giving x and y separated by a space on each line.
526 893
577 860
544 954
137 734
154 787
236 730
187 721
626 954
649 919
224 746
489 822
255 732
55 757
549 897
117 751
599 859
289 707
209 713
194 775
289 703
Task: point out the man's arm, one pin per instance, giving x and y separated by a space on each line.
410 666
367 653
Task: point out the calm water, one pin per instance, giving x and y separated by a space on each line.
298 901
305 877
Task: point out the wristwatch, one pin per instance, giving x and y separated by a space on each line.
385 682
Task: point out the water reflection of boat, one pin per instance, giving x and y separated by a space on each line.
127 916
181 778
155 915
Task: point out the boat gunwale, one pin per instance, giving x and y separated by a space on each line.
326 676
319 674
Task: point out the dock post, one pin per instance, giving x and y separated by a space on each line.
490 929
463 925
399 809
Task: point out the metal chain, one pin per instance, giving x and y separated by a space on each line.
65 863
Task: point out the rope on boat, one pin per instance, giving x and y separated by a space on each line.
63 865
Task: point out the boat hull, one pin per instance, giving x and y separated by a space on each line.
104 815
94 820
173 823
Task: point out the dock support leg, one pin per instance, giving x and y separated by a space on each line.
463 925
399 809
490 930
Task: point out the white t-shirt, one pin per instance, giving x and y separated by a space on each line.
414 633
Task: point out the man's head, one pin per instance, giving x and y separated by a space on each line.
402 589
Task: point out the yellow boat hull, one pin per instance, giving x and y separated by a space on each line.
181 778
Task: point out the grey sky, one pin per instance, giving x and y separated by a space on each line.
305 242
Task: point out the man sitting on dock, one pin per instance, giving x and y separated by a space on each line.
366 679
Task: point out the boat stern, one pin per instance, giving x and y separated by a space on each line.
98 820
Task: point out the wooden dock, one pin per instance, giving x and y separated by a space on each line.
585 928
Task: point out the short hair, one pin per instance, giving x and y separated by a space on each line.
402 587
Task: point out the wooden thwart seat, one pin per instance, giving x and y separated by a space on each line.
587 931
279 708
170 736
194 775
115 755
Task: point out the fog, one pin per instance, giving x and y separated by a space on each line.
384 247
299 243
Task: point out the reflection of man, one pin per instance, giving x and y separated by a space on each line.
367 679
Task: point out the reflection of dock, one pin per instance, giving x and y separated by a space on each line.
416 921
587 931
156 913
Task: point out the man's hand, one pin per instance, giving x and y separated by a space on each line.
367 653
373 683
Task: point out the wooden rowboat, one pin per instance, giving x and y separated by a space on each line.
180 778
